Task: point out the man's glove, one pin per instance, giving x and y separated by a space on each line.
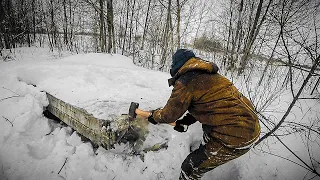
183 124
180 127
188 119
151 119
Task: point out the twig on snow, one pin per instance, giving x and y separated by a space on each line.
65 161
16 94
8 98
11 91
8 120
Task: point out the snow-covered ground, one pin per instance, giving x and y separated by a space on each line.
34 147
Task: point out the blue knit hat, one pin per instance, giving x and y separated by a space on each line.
180 57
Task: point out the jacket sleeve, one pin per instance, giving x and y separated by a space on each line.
176 106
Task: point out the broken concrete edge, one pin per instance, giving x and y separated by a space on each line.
99 131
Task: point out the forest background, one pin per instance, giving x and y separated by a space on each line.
279 38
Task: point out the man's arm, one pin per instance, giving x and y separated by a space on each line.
176 106
147 114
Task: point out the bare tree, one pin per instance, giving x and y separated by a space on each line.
65 28
165 37
125 29
178 23
145 26
254 31
131 24
236 40
102 27
111 36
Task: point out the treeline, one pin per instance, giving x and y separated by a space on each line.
151 30
148 30
273 29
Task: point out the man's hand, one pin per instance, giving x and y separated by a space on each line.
148 114
180 127
183 124
144 114
188 119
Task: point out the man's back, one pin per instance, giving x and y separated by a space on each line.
217 102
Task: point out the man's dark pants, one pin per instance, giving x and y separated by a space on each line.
207 157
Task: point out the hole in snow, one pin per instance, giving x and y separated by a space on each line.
49 115
56 122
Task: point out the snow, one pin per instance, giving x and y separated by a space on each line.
35 147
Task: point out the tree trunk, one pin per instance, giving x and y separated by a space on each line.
252 5
65 29
102 28
71 24
27 32
253 34
2 26
315 86
34 19
226 55
8 24
112 30
131 20
111 40
165 37
271 56
248 45
234 44
125 29
171 35
53 28
145 26
178 24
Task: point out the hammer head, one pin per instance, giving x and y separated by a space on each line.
132 110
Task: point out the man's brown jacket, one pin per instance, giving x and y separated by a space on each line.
212 100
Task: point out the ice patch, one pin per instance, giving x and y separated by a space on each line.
74 139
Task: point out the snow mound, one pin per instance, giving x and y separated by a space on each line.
34 147
102 60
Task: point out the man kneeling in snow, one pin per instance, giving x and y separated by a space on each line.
228 119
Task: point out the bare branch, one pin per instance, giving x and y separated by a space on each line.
284 159
305 126
8 98
65 161
306 165
295 99
11 91
8 120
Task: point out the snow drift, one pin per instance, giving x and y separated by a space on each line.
35 147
